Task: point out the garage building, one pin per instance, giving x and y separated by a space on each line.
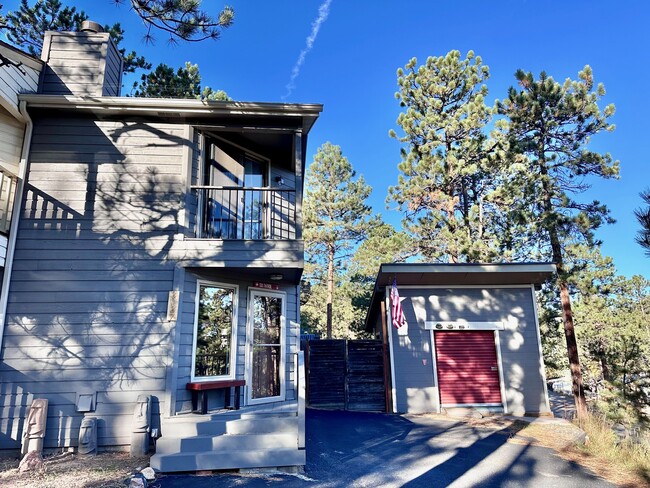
469 336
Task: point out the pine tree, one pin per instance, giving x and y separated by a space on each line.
163 82
181 19
336 217
548 126
445 185
643 216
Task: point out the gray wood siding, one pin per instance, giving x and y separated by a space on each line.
17 79
88 297
81 64
97 246
212 253
523 376
188 308
12 132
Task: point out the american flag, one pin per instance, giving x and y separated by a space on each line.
396 307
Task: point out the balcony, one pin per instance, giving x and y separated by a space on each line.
240 213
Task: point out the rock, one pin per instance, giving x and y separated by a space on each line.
137 481
149 474
33 461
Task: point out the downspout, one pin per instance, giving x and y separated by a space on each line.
15 216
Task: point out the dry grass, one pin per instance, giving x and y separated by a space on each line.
604 452
624 464
106 470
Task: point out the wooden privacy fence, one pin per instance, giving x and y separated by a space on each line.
346 375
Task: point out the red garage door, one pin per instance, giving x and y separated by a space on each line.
467 367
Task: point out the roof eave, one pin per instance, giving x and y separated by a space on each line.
181 107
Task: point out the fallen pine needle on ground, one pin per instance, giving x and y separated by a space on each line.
105 470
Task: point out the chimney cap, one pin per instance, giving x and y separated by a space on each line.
90 26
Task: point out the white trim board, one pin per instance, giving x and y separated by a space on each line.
502 381
434 365
252 292
389 331
462 325
233 331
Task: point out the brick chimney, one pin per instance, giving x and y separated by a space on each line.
84 64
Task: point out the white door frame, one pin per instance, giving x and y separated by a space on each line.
233 334
252 293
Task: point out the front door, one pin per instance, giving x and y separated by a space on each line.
266 347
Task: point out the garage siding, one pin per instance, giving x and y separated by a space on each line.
415 388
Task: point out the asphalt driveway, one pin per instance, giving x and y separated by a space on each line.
379 450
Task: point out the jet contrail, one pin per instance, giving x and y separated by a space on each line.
323 12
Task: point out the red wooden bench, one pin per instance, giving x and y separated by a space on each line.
200 398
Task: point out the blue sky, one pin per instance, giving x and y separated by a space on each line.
351 67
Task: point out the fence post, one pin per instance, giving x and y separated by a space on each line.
301 399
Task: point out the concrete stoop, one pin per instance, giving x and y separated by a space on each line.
254 441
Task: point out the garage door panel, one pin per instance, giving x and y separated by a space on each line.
467 367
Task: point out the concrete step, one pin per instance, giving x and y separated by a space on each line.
266 415
192 426
232 459
204 443
269 425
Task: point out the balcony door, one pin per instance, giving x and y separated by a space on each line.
266 337
236 203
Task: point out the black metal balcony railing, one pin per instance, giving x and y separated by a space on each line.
230 212
7 194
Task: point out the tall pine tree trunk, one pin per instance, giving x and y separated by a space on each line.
571 343
330 289
565 300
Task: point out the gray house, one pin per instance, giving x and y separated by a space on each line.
159 253
469 336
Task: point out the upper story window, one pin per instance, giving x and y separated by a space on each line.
228 165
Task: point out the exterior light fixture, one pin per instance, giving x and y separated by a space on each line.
276 277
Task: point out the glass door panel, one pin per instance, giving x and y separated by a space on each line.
266 338
254 177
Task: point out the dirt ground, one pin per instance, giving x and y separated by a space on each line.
106 470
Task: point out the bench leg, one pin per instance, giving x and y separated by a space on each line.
237 391
199 402
227 399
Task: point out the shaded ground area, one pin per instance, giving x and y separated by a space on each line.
375 450
379 450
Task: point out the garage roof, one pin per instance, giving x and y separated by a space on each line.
427 274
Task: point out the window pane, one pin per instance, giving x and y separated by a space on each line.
266 371
267 315
214 331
